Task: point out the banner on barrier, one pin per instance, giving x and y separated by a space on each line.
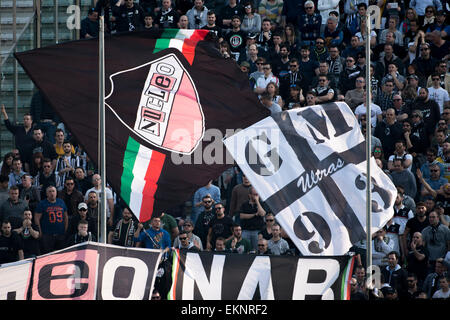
207 276
88 271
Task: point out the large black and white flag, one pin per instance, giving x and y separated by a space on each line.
309 166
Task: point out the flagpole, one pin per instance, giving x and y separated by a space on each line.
368 150
102 149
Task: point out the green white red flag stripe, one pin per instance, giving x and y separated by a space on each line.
346 277
184 40
141 170
142 166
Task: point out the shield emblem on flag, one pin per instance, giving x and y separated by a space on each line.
164 108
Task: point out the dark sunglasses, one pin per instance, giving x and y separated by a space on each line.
184 238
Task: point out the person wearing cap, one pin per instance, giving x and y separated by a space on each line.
188 227
295 97
439 24
245 67
82 215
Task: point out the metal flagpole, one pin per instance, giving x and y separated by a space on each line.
368 150
102 149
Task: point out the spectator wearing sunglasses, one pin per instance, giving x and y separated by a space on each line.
220 226
188 227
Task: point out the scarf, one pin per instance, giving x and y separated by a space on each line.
130 233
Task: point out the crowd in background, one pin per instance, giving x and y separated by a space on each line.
295 53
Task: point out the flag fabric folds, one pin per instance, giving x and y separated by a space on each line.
309 166
163 92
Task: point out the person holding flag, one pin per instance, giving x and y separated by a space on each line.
154 237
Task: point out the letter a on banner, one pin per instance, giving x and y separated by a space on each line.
311 171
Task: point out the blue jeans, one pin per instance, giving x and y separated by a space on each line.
252 236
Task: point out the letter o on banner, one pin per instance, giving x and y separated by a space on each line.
138 285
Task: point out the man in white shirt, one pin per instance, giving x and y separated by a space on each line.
437 93
264 80
376 115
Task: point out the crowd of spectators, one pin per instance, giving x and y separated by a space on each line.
295 53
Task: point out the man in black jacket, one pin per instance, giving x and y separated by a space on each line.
395 275
129 16
23 135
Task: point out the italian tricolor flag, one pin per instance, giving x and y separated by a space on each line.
142 166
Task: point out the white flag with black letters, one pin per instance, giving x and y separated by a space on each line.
309 166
